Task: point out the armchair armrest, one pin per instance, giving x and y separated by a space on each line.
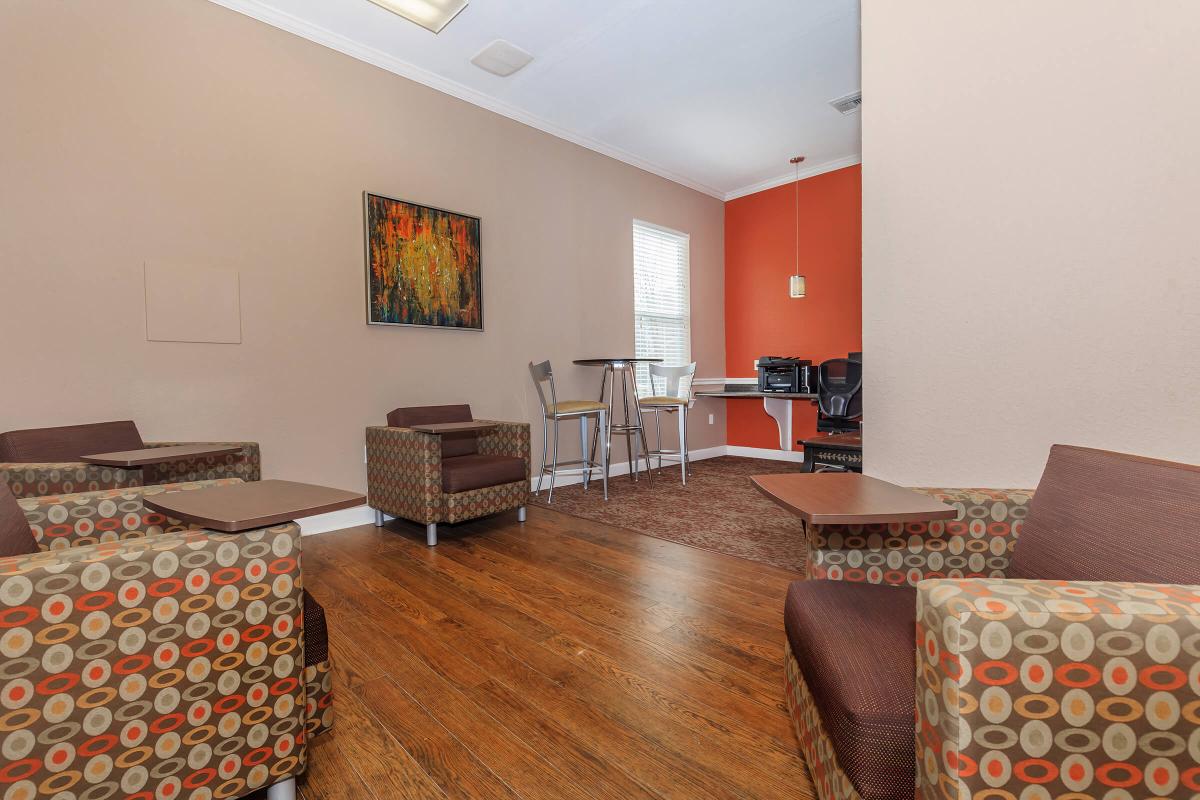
245 464
977 543
37 479
1078 687
506 439
71 520
179 655
404 473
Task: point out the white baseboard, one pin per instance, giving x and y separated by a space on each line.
764 452
363 515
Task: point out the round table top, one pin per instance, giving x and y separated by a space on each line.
601 362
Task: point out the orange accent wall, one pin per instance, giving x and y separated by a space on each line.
761 319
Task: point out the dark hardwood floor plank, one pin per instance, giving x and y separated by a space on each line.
576 757
559 658
753 576
520 766
383 761
446 760
633 642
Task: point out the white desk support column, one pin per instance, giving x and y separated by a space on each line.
780 409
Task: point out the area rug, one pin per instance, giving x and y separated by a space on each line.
719 509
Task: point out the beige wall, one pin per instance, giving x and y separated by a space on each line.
176 131
1031 227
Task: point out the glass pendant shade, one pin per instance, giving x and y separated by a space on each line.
796 286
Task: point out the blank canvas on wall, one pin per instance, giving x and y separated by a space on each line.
189 304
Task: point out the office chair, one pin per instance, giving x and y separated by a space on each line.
839 395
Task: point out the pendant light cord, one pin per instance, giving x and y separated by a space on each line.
796 193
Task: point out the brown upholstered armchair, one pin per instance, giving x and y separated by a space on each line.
1047 645
145 659
450 478
42 461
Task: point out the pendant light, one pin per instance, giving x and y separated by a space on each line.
796 287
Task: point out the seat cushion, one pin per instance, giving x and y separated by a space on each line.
16 537
316 635
855 645
464 473
663 400
69 442
1102 516
453 444
577 407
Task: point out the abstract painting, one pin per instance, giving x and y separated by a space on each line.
422 265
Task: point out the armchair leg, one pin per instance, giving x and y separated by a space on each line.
521 514
284 790
431 534
378 518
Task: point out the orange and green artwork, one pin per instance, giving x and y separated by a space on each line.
422 266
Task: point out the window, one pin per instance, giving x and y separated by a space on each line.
661 300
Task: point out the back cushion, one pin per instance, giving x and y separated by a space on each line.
457 444
1101 516
69 442
16 537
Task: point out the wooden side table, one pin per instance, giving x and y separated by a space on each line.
849 498
242 506
158 455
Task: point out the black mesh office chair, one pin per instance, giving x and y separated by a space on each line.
839 395
838 447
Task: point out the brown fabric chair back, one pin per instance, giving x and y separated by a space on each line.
16 537
458 444
69 442
1101 516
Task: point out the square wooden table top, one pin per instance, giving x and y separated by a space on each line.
454 427
849 498
241 506
158 455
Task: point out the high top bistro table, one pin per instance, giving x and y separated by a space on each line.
630 427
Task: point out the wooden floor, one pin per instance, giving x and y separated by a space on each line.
560 658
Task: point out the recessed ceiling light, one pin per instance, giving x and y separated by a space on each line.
432 15
501 58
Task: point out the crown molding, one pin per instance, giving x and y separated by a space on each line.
262 12
809 172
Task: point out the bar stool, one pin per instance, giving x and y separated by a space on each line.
676 397
556 411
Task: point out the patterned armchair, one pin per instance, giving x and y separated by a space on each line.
1066 667
144 659
43 461
431 479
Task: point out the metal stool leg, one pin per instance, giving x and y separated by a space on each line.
683 448
596 435
601 422
630 444
583 454
658 435
554 464
542 471
641 428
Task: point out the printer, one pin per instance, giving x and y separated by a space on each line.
787 374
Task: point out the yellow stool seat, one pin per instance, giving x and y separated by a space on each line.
576 407
663 400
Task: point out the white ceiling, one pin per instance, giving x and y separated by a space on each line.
713 94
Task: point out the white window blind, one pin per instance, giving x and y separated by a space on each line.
661 299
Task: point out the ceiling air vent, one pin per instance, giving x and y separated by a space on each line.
501 58
848 104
